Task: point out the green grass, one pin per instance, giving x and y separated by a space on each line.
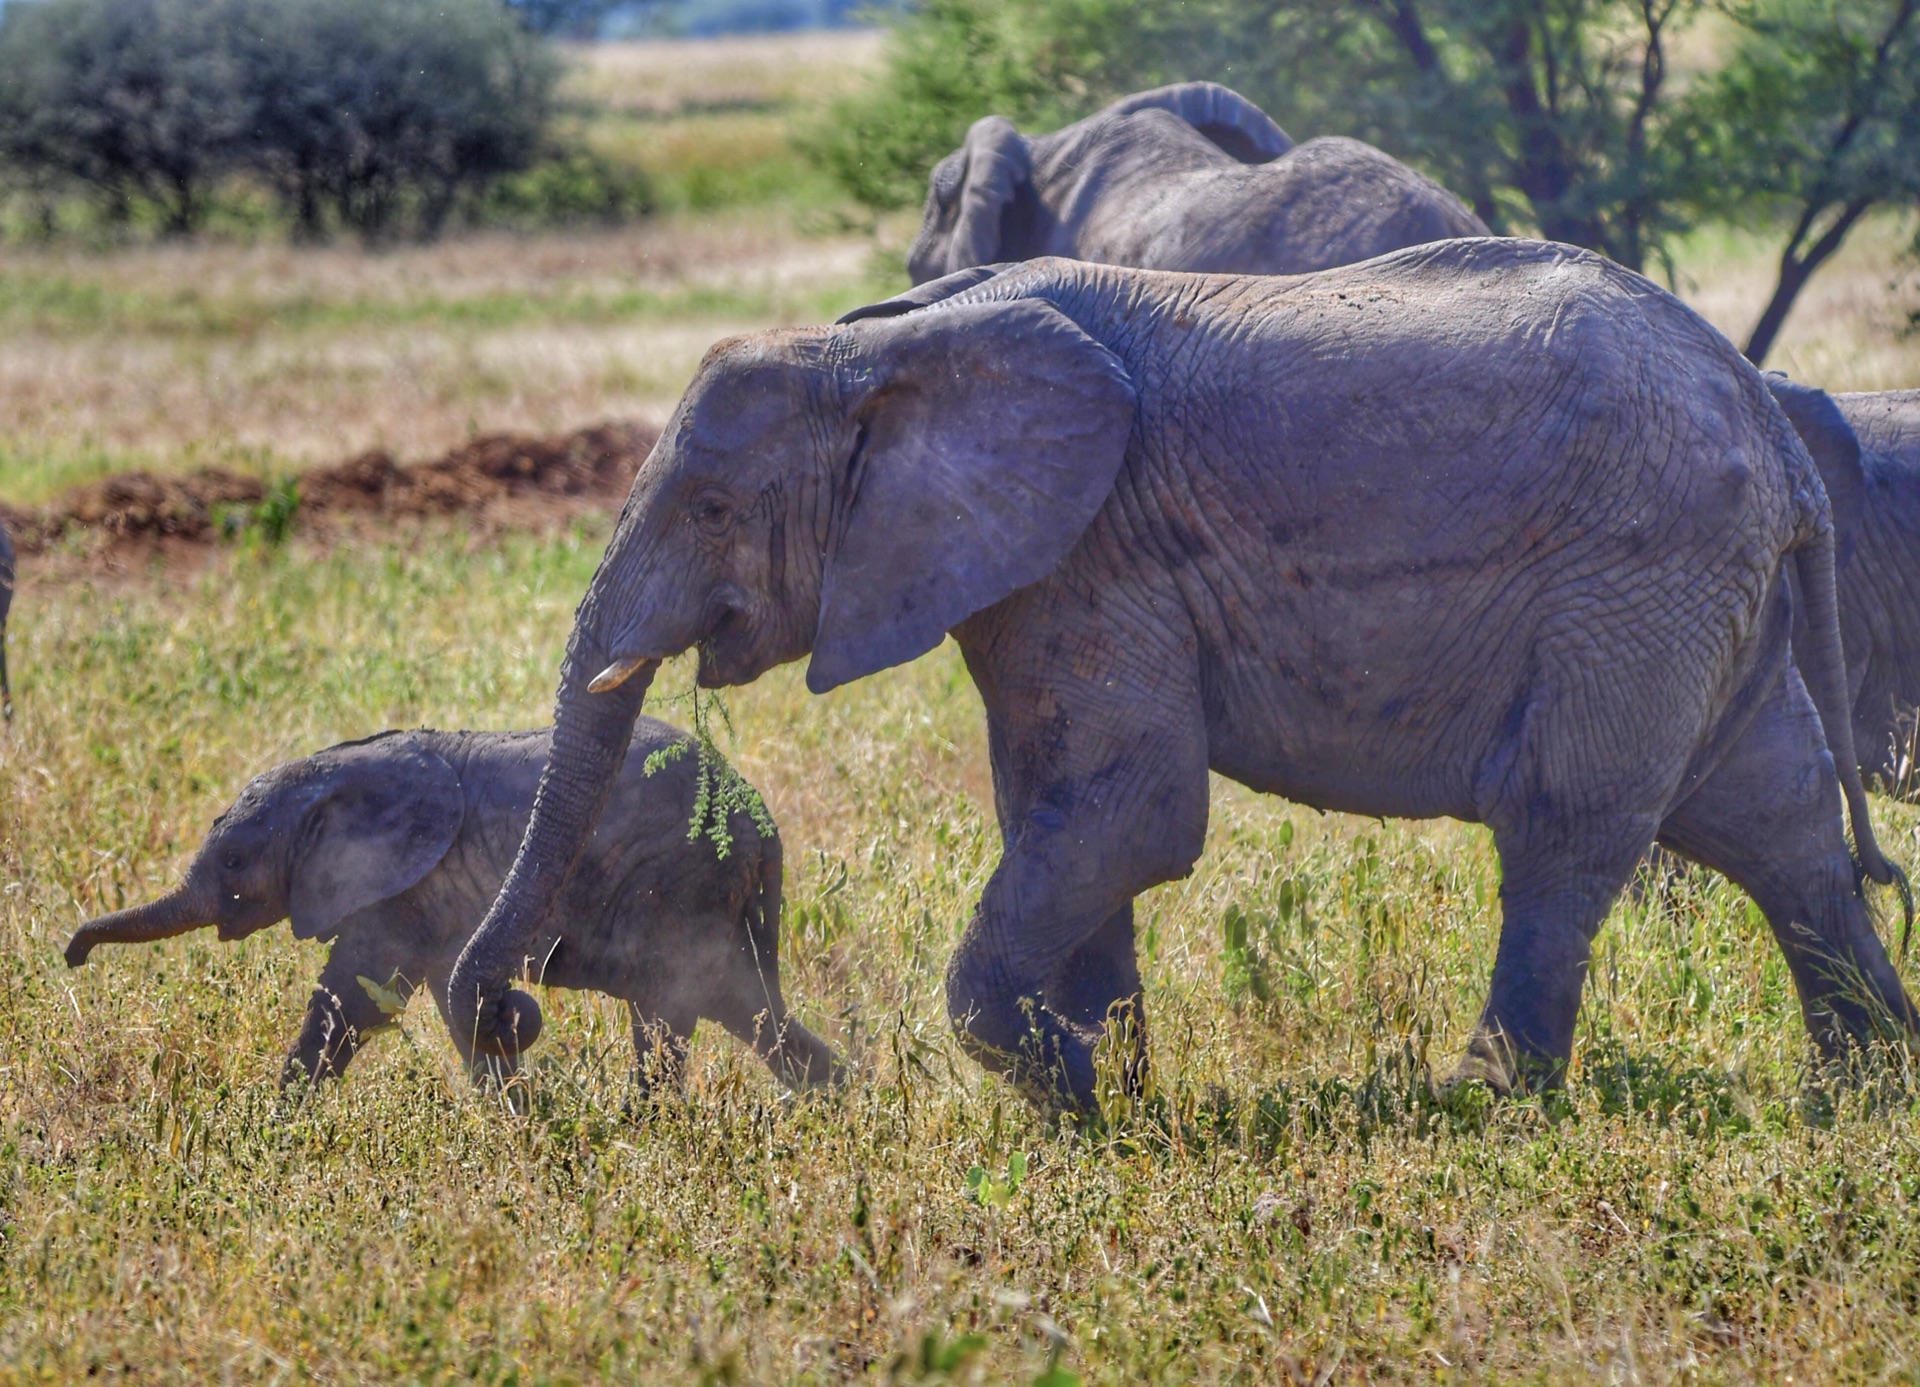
56 304
1296 1201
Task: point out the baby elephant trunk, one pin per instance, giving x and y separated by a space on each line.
162 919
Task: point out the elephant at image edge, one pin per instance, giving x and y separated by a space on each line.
1400 538
1878 518
1188 177
387 848
6 606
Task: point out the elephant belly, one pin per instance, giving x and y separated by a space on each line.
1409 749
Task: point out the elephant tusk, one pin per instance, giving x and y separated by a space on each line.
617 673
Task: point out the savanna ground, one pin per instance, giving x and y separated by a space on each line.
1295 1204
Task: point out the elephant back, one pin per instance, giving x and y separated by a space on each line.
1224 116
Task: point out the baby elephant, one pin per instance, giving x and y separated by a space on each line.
395 846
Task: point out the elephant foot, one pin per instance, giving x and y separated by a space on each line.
1493 1062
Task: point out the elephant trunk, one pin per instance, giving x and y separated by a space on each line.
162 919
590 737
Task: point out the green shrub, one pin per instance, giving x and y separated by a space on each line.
568 186
380 117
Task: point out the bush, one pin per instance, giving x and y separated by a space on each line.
384 112
378 116
140 101
568 187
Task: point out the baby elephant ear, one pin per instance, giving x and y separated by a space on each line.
1836 453
988 436
386 813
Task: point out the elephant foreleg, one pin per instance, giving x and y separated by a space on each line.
341 1014
1099 985
1100 782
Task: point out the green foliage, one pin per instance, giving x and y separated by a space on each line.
141 101
951 63
1813 120
997 1191
568 186
1572 119
376 116
720 791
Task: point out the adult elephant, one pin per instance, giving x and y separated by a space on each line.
1877 517
1486 529
1188 177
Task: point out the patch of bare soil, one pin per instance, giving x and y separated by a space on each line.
504 481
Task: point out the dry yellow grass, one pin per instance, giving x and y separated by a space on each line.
1850 327
654 78
267 358
1299 1206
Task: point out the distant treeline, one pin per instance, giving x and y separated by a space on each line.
382 118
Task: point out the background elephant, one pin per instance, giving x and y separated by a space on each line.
6 606
1188 177
1880 585
390 847
1402 538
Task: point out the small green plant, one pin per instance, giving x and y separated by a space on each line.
720 791
269 521
997 1191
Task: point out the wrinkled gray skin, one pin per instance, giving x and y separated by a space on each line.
6 606
1188 177
392 846
1402 538
1880 551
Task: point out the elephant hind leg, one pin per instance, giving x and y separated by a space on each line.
1769 818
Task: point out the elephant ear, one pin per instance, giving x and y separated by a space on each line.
988 436
1836 453
998 165
384 814
924 295
1224 116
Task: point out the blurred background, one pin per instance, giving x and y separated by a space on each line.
269 233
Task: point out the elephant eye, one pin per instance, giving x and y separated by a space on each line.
712 512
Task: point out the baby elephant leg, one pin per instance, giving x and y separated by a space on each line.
659 1052
745 998
341 1014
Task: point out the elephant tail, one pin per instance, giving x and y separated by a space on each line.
1825 673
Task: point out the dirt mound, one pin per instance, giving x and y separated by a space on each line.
506 478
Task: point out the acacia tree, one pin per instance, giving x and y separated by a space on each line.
385 111
1816 119
134 98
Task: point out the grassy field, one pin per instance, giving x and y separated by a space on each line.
1294 1205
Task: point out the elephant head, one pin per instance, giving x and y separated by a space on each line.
849 492
315 840
973 194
